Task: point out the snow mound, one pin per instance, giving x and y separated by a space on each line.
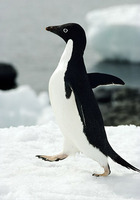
25 177
22 106
114 32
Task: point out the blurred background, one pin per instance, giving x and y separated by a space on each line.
113 47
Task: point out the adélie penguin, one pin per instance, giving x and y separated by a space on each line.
74 104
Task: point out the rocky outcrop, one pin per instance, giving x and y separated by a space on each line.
119 106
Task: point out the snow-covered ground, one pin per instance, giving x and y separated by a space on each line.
22 106
114 32
25 177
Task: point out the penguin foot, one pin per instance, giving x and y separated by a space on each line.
107 171
52 158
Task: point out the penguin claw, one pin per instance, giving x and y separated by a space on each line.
43 158
97 175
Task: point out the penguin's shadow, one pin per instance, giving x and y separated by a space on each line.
126 185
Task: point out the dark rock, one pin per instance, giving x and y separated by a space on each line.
8 76
122 109
103 96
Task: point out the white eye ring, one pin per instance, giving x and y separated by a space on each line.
65 30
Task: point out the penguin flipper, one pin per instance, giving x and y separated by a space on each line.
68 90
97 79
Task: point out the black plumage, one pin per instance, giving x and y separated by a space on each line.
78 81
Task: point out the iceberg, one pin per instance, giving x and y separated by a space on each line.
114 32
22 106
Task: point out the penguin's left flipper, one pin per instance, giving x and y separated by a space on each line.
52 158
97 79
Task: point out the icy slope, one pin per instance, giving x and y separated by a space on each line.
24 177
114 33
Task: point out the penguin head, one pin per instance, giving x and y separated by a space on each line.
69 31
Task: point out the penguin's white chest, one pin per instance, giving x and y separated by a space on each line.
66 111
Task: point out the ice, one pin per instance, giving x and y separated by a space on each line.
114 32
22 106
23 176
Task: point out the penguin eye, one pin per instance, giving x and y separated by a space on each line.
65 30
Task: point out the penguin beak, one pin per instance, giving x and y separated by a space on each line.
53 29
56 30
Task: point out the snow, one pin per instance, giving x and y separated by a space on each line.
23 176
114 32
22 106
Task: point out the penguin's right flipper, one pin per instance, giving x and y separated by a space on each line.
97 79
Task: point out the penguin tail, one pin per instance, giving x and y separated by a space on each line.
115 157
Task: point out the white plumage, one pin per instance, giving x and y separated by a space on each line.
67 115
